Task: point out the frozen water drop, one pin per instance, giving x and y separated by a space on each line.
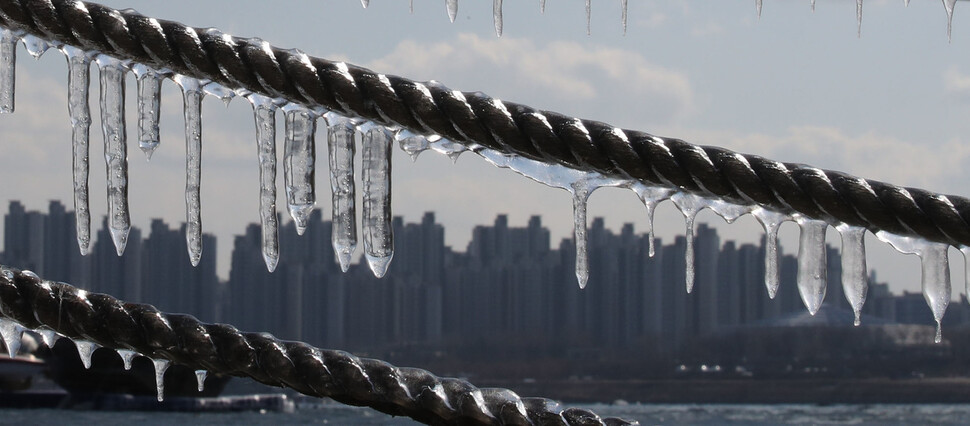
192 96
858 17
689 206
770 221
412 144
589 13
812 274
935 271
161 365
452 7
78 82
49 336
127 357
376 176
855 277
730 212
12 333
200 379
444 146
497 16
299 153
623 16
85 349
149 108
651 196
8 69
758 5
35 46
949 5
264 112
115 147
219 91
342 147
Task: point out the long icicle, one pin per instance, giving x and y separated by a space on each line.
112 73
299 163
497 17
8 69
264 113
376 176
192 96
149 108
581 192
855 276
78 83
624 6
771 221
949 5
689 206
589 13
935 268
651 196
341 143
812 272
452 7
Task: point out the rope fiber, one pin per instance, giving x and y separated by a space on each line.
222 349
477 120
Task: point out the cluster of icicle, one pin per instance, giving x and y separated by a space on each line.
376 142
497 15
12 334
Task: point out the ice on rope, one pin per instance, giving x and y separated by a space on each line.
935 276
299 156
78 83
112 73
85 349
447 147
412 144
497 16
855 276
192 96
812 272
264 111
35 46
8 69
771 221
341 143
50 337
11 332
161 365
126 357
651 196
200 379
376 177
149 108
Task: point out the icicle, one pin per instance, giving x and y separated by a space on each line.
365 3
35 46
966 270
341 144
855 277
78 80
85 350
589 14
49 336
412 144
811 262
497 16
127 357
757 5
149 108
444 146
115 147
623 6
580 197
12 333
8 69
905 2
651 196
858 17
160 366
200 379
376 177
192 96
689 205
299 153
935 277
949 5
264 111
542 6
771 221
813 5
452 6
411 7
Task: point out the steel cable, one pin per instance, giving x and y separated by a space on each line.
477 120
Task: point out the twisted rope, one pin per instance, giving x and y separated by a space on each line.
480 121
220 348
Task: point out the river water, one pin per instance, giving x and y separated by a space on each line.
647 414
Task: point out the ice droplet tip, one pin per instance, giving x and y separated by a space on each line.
379 264
120 239
271 262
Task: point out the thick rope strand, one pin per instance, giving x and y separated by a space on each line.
480 121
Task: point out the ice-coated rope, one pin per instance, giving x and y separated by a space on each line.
479 121
219 348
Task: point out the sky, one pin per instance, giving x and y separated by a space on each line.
793 86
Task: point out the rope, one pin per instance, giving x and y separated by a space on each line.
480 121
220 348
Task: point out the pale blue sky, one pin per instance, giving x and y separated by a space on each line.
793 86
